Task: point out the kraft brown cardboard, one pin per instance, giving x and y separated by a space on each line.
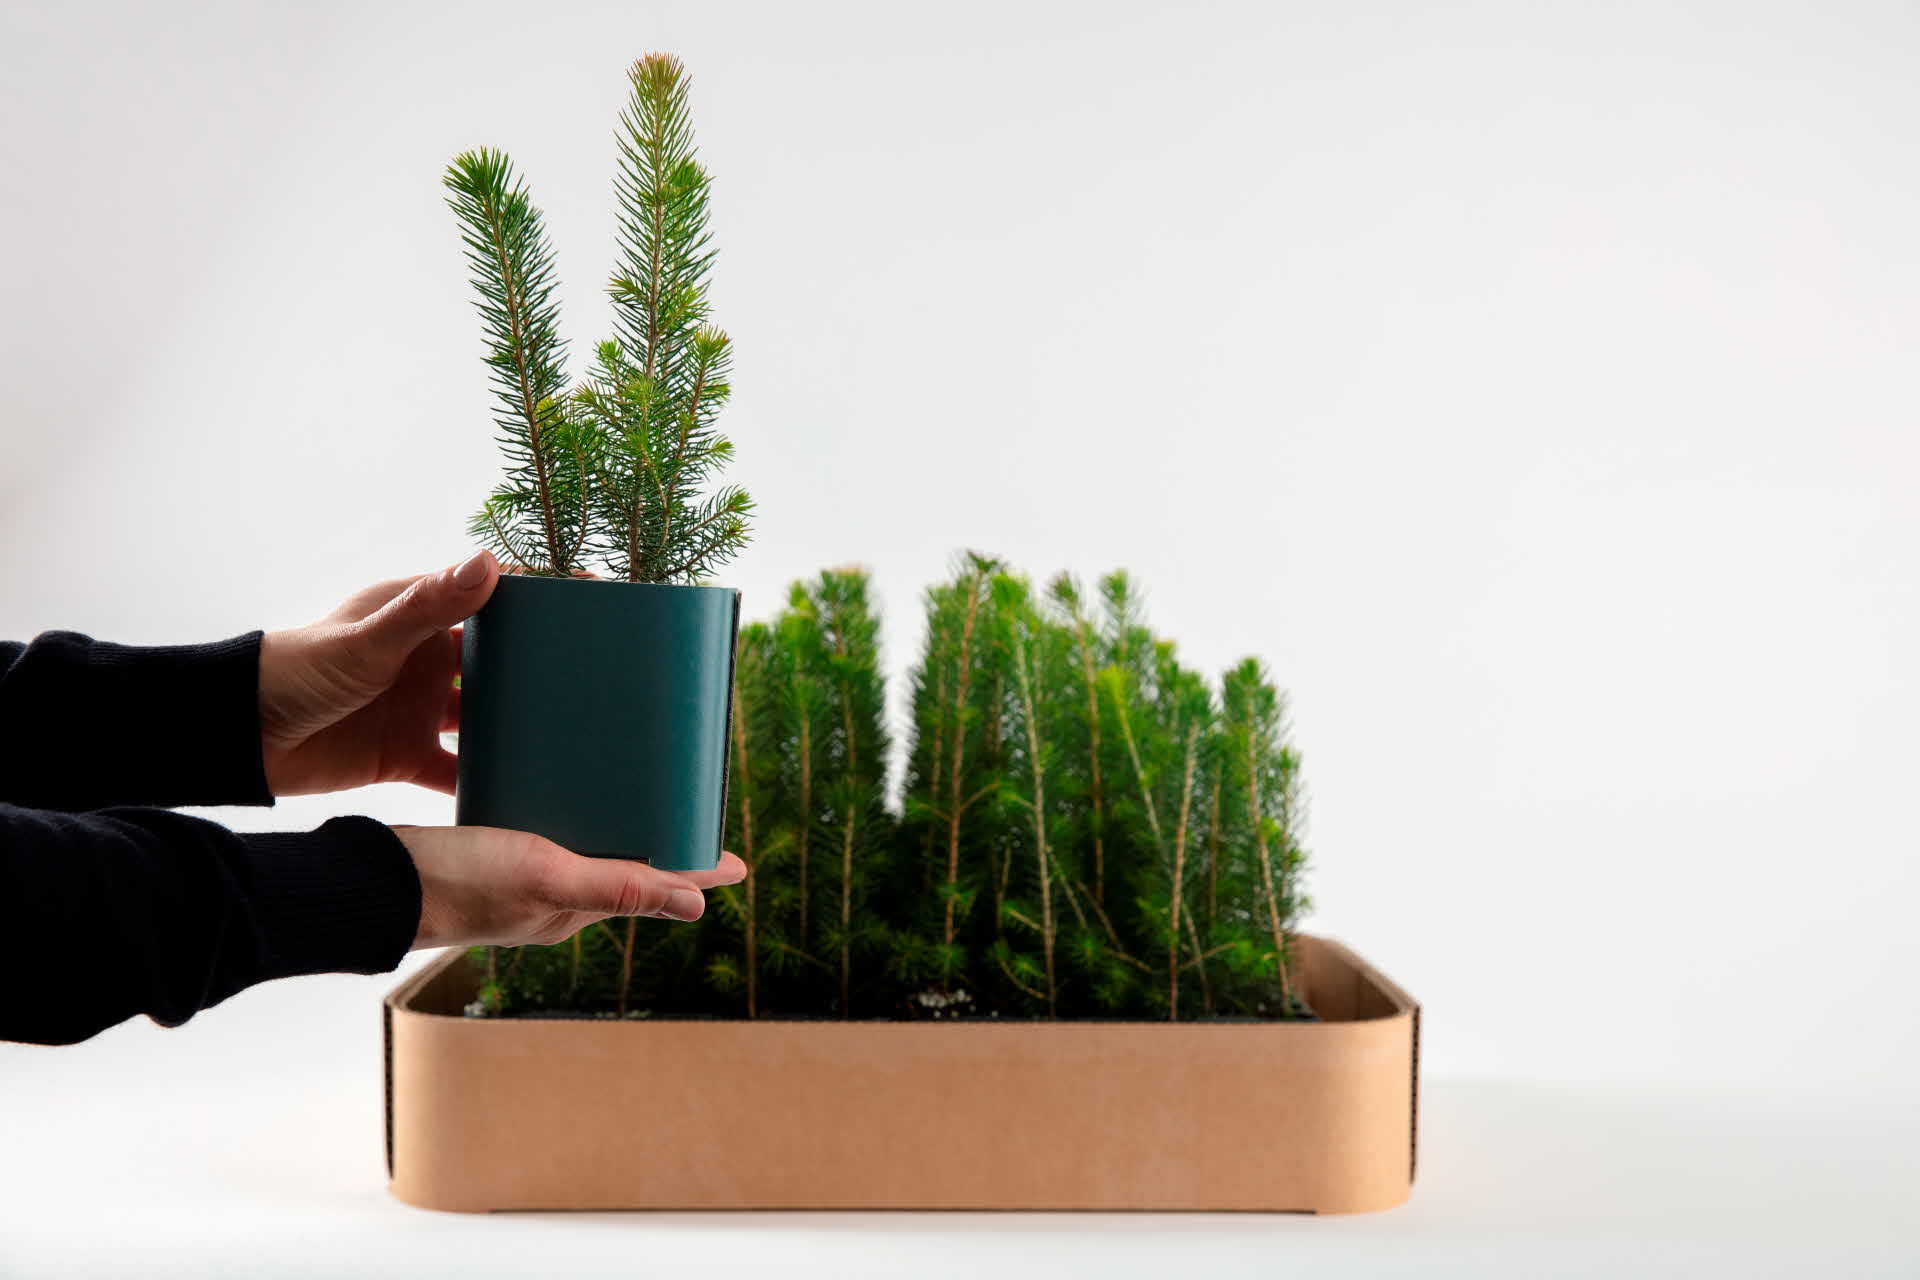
494 1114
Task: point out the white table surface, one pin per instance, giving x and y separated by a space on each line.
248 1143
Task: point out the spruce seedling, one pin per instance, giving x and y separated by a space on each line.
657 387
1066 594
1027 635
850 651
1193 712
538 518
804 701
749 680
978 573
1255 727
618 467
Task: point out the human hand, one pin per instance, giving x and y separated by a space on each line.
364 694
483 885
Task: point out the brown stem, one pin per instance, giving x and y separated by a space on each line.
1003 872
1066 889
846 841
626 964
634 572
705 548
631 500
1201 957
580 470
1199 962
846 918
1266 873
846 718
1105 921
846 696
743 764
936 657
1004 968
659 215
798 954
806 813
536 439
959 743
1093 755
1039 818
1213 854
505 540
656 144
993 726
1139 772
668 489
1179 876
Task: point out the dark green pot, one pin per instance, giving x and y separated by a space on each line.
596 714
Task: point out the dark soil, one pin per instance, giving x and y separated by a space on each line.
907 1013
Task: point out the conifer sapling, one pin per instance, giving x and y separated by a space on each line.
618 468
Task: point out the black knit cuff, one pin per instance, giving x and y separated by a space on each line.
204 698
342 899
91 724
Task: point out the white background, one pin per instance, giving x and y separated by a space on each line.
1531 386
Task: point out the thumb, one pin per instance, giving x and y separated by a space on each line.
429 606
617 887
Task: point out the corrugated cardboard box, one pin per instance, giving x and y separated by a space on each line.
491 1114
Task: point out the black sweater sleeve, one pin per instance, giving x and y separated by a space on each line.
128 910
84 723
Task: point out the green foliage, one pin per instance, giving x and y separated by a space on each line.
538 516
1089 828
619 467
1260 804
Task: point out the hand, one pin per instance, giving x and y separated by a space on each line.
482 885
364 694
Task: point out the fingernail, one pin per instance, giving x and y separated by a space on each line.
684 904
472 572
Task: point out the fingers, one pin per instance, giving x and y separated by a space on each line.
428 606
367 599
613 887
440 772
730 871
450 714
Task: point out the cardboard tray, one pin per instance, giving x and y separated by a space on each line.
498 1114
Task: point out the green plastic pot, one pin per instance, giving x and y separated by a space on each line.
596 714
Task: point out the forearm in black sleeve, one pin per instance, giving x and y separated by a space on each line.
85 723
130 911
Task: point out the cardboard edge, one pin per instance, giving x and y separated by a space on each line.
1402 1002
1404 1006
1401 1007
400 1000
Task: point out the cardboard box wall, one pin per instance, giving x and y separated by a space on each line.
498 1114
